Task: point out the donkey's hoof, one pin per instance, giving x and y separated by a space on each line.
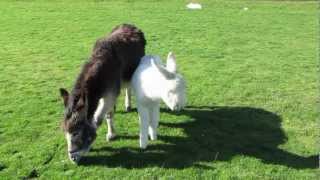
143 146
153 137
128 109
110 137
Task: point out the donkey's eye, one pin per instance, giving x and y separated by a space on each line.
68 114
75 134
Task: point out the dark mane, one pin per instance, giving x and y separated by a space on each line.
113 60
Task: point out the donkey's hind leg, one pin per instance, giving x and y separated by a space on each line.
128 99
154 121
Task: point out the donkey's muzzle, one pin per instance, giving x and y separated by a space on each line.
74 157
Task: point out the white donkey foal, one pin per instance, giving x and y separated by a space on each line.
151 83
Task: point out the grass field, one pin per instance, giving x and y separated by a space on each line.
252 89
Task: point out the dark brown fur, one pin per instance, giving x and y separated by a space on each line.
113 61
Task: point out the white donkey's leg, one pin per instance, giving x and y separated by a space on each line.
128 99
144 123
154 121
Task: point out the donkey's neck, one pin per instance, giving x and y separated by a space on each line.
88 87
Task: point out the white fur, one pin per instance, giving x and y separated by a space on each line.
111 134
99 113
151 83
74 157
68 137
128 99
106 105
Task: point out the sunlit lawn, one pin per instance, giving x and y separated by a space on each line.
252 89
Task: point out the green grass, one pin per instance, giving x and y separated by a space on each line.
252 89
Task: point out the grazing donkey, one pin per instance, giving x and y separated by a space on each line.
112 63
151 83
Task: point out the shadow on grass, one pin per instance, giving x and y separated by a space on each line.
212 134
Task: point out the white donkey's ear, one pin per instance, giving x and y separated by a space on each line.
167 74
171 63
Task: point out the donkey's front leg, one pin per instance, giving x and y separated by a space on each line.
110 100
144 123
111 132
100 113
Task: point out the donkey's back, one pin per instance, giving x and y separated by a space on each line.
122 48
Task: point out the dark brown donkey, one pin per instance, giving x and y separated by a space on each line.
111 65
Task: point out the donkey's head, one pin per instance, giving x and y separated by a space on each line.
174 85
79 130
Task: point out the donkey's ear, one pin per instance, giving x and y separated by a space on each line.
171 63
167 74
65 96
